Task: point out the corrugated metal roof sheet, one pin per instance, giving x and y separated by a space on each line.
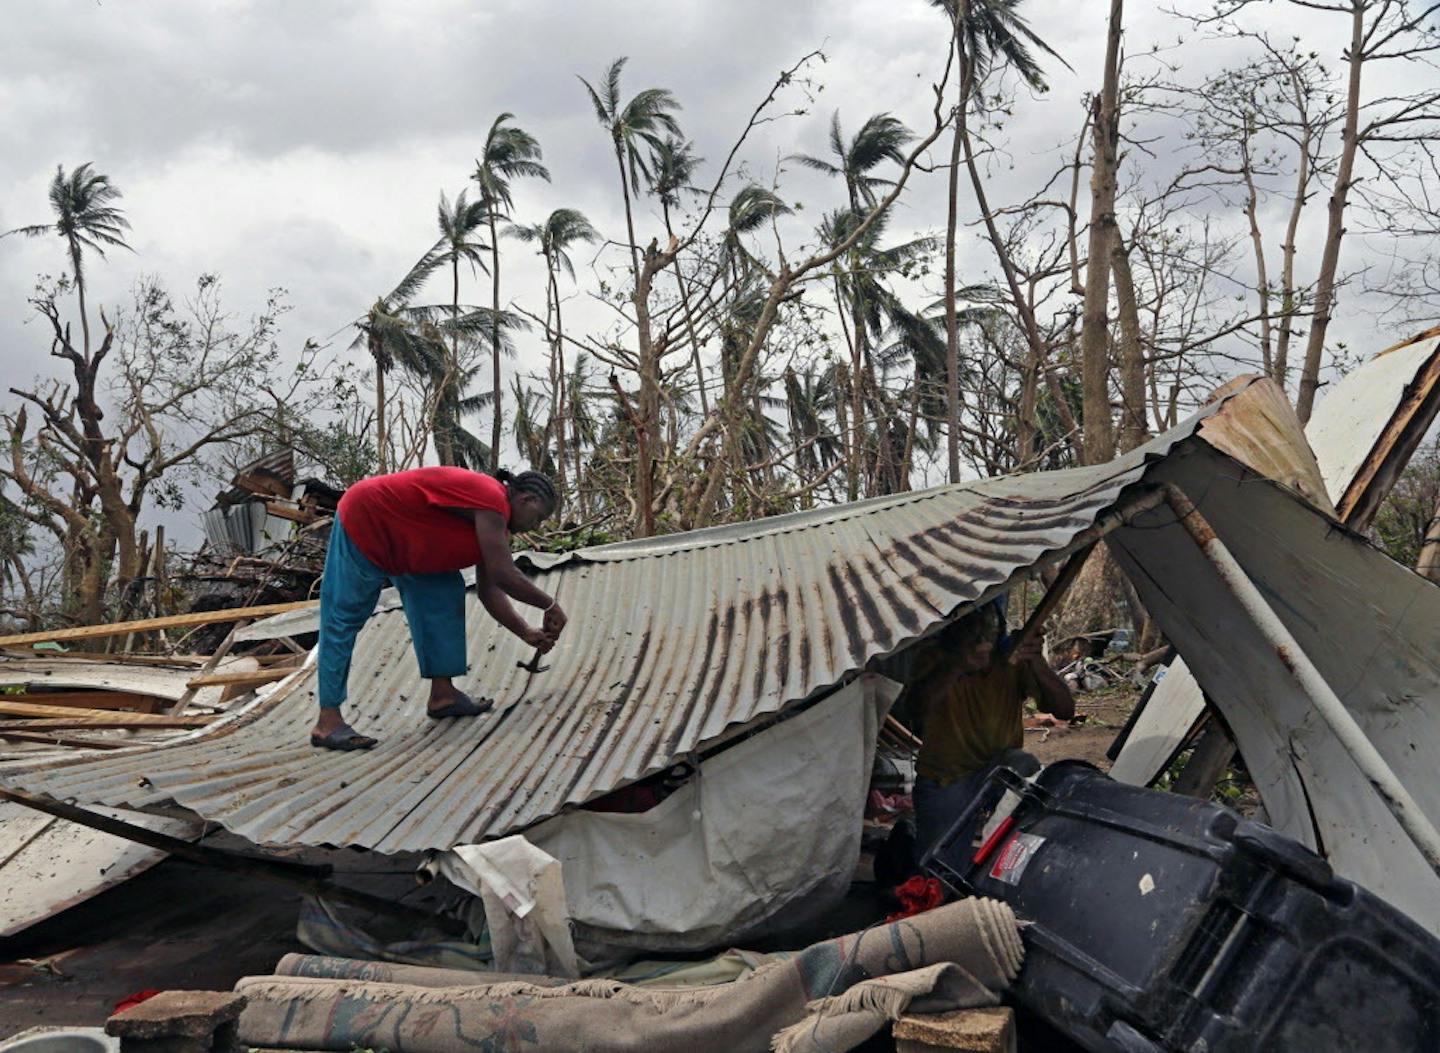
672 642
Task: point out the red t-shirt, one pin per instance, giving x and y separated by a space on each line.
403 522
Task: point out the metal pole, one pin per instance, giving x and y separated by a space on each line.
1362 751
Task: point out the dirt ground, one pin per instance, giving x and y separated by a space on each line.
1104 713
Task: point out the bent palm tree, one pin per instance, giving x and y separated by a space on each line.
675 165
987 33
645 121
562 229
395 333
879 139
509 153
86 217
458 223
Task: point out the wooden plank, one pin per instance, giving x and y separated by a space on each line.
251 677
174 661
1392 451
175 621
64 740
92 700
99 716
128 721
1050 600
295 515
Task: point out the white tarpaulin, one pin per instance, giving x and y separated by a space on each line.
770 828
523 892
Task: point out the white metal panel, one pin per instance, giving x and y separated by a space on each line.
48 865
1372 628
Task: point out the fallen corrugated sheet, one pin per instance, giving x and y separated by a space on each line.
673 642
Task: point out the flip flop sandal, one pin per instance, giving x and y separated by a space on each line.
344 740
463 706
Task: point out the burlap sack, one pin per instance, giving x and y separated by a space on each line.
975 942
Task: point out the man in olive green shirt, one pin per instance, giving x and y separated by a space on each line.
971 700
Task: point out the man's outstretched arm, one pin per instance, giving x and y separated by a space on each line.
1052 695
498 580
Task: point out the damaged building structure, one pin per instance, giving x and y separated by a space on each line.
755 665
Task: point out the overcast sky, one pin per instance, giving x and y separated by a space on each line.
305 144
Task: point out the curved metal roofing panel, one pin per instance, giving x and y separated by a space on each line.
672 643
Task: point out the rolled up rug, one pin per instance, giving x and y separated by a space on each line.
839 991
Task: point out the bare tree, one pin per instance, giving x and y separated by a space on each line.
183 383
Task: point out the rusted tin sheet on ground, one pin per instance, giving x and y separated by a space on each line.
672 643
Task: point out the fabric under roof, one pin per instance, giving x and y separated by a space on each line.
672 643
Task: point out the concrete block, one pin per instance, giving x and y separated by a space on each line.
989 1030
180 1022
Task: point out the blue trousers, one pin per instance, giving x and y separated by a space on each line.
434 607
936 806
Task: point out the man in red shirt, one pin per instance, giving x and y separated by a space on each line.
417 529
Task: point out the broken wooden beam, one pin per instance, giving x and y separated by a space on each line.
174 621
1051 599
294 514
44 739
10 707
69 700
249 678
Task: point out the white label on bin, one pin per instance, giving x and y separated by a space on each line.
1012 859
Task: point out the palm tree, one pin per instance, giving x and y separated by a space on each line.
86 217
562 229
810 397
987 33
675 164
645 121
395 333
751 208
477 326
509 153
458 223
583 426
861 288
879 139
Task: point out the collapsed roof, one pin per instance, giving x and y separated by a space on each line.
673 643
676 643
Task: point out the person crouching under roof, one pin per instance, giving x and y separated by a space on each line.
417 529
970 692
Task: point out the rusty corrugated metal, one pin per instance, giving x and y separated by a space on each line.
672 643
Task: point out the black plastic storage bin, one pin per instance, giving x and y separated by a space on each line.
1161 922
